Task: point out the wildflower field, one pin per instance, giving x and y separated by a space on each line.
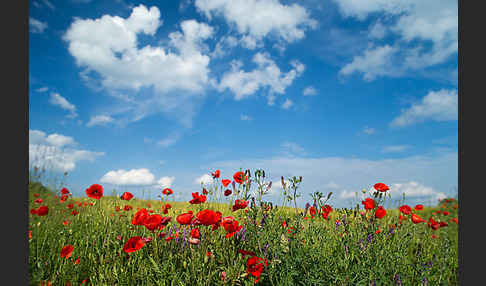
123 240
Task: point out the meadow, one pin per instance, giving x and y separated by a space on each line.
229 235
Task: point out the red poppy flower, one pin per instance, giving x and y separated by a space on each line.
244 252
133 244
216 174
63 198
33 211
227 192
378 230
166 208
204 191
230 225
195 233
74 212
95 191
416 219
433 224
42 211
225 182
185 218
380 212
208 253
325 215
418 207
326 209
39 201
434 236
312 211
455 220
255 266
445 213
153 222
117 208
30 234
167 191
368 203
443 224
381 187
126 196
36 195
64 191
197 199
127 207
77 260
406 209
67 251
139 217
239 177
239 204
208 217
66 222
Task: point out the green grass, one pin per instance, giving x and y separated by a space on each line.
320 253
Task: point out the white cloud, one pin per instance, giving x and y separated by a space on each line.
267 75
49 4
165 182
57 99
377 30
256 19
42 89
415 189
395 148
245 117
175 74
287 104
169 141
223 46
346 194
134 177
439 105
59 140
292 149
374 62
427 31
99 120
204 179
369 130
49 152
37 26
310 91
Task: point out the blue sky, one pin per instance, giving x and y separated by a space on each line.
148 94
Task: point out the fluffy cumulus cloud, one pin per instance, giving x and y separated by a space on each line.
204 179
287 104
108 47
310 91
134 177
415 189
57 100
165 182
56 152
99 120
257 19
267 75
439 105
376 61
37 26
426 34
